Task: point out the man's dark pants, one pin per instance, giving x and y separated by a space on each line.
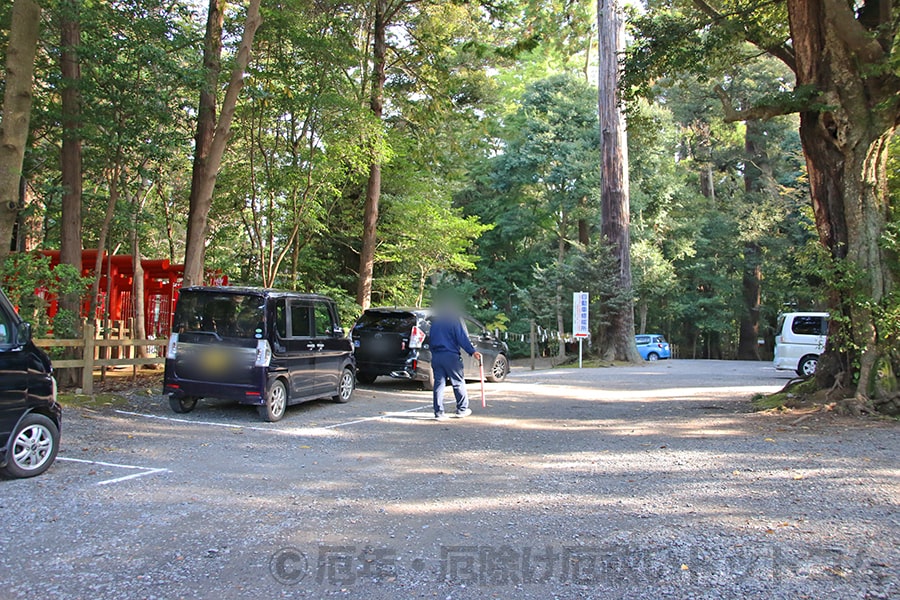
448 365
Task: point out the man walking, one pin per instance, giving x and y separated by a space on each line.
448 336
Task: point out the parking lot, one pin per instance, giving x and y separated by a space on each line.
640 482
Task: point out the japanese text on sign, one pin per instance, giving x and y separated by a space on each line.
580 302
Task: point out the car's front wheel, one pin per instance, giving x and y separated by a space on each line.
276 402
499 370
653 357
33 446
345 387
182 405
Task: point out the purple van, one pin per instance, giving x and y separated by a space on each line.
262 347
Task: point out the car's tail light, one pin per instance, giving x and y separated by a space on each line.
172 350
416 337
263 354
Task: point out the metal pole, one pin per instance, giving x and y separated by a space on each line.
580 340
532 344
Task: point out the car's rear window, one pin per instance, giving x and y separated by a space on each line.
384 321
808 325
239 316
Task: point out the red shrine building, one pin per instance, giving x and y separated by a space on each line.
162 280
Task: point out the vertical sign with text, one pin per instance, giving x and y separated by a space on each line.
580 302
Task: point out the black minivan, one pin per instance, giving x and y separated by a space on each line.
30 416
262 347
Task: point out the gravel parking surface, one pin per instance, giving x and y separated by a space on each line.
630 482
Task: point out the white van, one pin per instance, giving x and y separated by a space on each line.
799 340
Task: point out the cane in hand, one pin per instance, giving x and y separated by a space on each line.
481 368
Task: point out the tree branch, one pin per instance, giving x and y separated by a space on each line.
782 52
762 112
851 32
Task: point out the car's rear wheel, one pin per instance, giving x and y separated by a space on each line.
653 357
276 402
807 366
428 383
345 387
33 447
182 405
366 378
499 370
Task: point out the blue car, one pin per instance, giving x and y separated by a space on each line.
652 346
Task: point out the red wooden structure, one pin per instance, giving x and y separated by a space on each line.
162 281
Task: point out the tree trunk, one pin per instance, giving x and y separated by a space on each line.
373 186
643 309
20 51
703 155
198 212
104 232
68 320
70 66
758 180
560 265
137 288
748 340
423 279
845 140
614 193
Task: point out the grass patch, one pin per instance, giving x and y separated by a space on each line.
94 401
792 395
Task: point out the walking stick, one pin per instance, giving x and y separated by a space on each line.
481 368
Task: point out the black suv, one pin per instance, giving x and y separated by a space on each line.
29 413
394 342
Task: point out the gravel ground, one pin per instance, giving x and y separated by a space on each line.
627 482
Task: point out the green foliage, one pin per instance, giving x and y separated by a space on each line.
675 36
30 283
490 147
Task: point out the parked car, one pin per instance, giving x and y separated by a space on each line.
394 342
261 347
30 416
653 346
800 338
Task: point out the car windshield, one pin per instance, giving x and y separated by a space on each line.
224 315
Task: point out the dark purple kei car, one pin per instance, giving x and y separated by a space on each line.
262 347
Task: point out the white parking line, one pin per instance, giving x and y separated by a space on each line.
303 431
144 470
174 420
384 416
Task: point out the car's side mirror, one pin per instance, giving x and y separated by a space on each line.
23 334
339 331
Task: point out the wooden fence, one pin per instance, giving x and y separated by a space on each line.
92 358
